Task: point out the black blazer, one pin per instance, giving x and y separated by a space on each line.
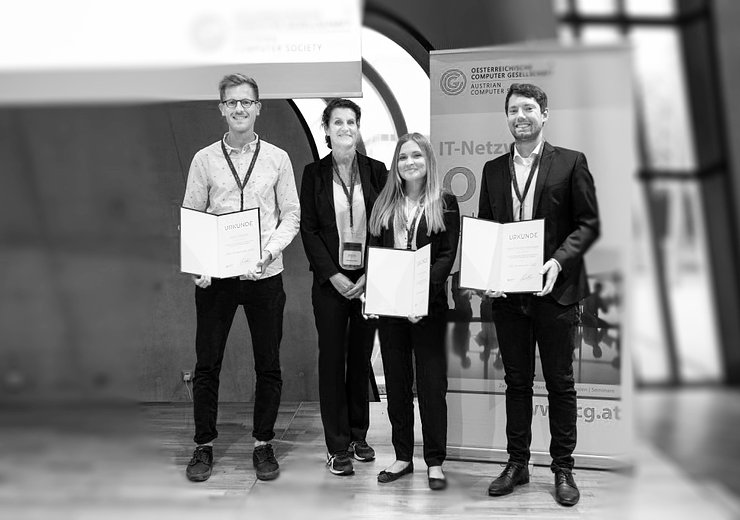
565 197
442 255
318 219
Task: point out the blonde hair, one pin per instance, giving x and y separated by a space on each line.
389 206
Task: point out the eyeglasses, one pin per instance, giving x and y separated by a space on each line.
246 103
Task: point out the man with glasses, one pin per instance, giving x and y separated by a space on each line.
238 172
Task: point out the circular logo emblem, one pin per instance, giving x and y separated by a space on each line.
453 82
208 32
470 183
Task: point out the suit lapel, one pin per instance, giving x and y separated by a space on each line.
327 174
363 166
421 232
389 236
544 171
506 189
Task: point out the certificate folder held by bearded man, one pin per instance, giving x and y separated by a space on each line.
502 257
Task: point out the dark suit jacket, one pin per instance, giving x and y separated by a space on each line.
565 197
442 255
318 218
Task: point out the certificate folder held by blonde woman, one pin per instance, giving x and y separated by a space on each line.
397 281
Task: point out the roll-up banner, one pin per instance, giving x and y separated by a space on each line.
591 110
78 51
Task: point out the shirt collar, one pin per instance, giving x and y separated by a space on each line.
247 147
538 150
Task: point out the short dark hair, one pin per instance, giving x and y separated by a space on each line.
234 80
339 103
527 90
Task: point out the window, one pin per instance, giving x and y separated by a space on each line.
675 335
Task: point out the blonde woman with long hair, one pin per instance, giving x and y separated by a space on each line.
411 212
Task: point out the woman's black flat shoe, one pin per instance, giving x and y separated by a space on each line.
436 484
387 476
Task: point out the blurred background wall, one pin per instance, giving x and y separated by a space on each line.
92 303
93 300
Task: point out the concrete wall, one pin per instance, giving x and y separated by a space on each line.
91 299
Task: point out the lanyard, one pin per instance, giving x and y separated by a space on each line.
411 231
348 192
236 175
512 172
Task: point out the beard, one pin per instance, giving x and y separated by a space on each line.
528 137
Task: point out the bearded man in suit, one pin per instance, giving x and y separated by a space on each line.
539 181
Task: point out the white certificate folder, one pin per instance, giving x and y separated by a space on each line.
397 281
220 246
502 257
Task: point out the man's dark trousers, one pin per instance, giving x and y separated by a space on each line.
263 302
523 320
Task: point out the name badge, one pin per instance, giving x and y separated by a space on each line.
351 254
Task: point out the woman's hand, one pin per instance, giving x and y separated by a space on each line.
357 290
414 319
342 284
367 316
202 281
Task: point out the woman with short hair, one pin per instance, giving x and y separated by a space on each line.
337 195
